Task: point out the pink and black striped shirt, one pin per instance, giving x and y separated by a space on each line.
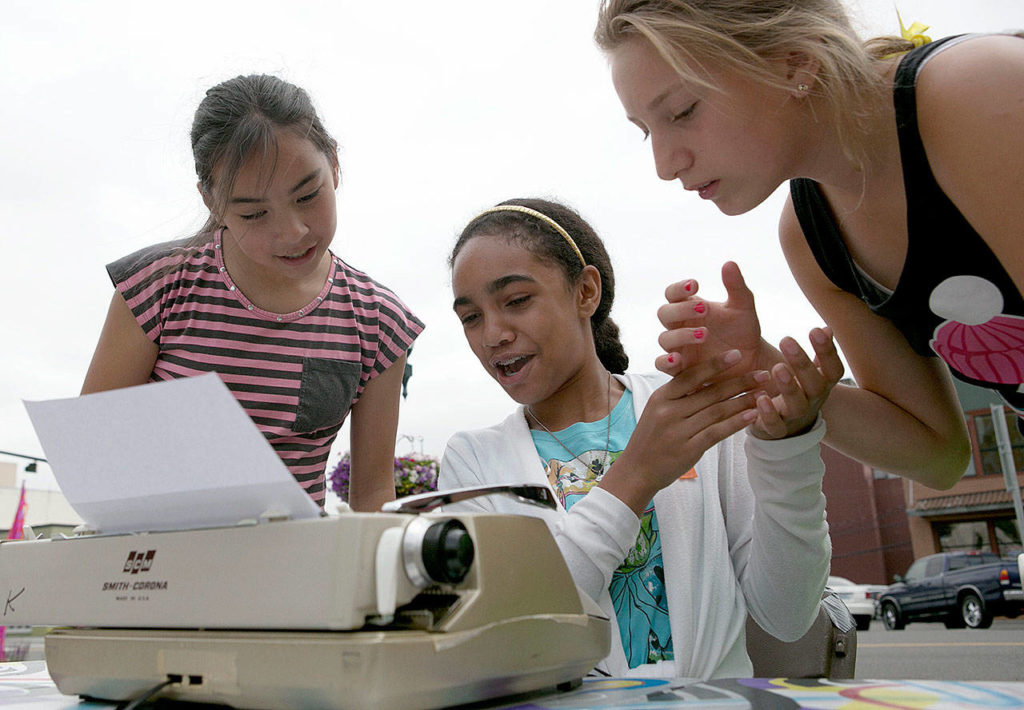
297 374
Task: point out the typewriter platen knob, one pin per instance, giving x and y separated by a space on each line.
437 551
447 551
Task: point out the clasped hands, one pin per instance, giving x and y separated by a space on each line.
790 388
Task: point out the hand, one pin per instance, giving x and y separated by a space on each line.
802 386
683 418
696 329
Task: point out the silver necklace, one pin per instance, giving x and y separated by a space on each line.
596 467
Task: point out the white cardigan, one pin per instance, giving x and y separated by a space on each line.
729 545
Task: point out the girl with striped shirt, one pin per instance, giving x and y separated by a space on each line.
300 337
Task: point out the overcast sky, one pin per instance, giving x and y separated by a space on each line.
441 109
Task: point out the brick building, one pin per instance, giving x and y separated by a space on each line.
880 523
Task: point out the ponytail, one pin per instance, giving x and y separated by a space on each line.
609 347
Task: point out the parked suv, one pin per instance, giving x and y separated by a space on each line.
958 588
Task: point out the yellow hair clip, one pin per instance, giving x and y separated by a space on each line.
915 33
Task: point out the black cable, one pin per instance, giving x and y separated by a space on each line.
139 701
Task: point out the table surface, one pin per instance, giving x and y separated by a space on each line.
28 685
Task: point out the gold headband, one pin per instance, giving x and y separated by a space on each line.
543 218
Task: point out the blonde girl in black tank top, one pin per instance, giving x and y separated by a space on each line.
738 96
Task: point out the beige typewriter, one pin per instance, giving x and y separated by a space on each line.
412 608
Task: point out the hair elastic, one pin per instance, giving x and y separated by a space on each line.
542 217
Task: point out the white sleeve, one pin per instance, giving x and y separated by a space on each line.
594 536
775 513
461 469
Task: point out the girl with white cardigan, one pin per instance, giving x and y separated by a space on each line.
672 517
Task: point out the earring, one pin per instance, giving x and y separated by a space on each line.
802 87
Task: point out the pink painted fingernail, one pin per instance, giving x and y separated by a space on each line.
688 286
699 308
698 334
671 359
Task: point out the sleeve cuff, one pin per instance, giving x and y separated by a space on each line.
781 449
601 515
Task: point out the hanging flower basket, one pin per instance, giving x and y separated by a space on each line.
413 474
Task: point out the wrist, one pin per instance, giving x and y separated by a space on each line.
628 484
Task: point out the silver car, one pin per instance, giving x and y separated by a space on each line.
860 599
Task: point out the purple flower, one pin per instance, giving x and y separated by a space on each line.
413 474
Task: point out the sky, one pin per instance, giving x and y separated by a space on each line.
441 110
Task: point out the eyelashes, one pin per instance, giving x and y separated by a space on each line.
673 119
518 302
310 196
685 114
305 199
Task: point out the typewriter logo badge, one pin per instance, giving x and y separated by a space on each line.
139 561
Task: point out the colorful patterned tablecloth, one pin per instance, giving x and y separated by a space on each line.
27 685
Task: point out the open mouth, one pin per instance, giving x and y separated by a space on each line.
707 189
512 365
298 257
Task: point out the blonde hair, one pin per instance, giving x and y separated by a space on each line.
745 36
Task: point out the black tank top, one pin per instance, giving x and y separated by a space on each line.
953 299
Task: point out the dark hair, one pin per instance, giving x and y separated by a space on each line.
241 116
544 241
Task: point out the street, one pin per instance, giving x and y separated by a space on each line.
930 651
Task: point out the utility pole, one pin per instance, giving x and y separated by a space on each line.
1009 469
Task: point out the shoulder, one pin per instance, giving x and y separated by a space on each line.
644 380
974 64
969 97
970 102
477 455
365 293
156 258
360 282
791 234
492 437
802 262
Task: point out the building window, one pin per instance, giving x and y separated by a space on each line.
997 535
963 535
987 458
1007 537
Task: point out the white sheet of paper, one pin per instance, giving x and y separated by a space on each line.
164 456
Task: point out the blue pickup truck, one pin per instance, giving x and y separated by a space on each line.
962 589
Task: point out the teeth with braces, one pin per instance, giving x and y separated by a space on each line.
505 364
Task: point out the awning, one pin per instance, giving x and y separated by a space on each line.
980 502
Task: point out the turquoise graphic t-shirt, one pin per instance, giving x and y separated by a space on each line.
638 585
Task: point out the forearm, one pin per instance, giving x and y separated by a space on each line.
372 440
370 489
870 428
790 546
595 537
